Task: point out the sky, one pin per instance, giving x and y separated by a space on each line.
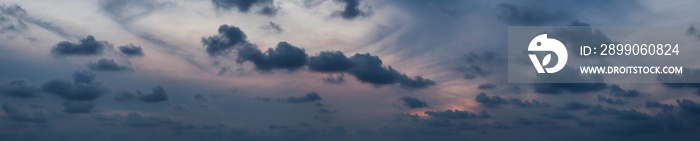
408 70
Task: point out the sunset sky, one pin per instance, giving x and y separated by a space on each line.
180 70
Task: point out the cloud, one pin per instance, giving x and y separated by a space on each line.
666 108
490 101
688 107
486 86
83 88
576 88
23 16
78 107
611 101
330 61
19 88
525 103
413 103
244 6
283 56
128 10
225 41
131 50
158 94
477 64
691 31
369 69
351 9
457 114
87 46
107 65
559 115
616 91
337 79
523 15
18 116
272 26
575 106
309 97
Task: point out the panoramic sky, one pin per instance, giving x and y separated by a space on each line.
181 70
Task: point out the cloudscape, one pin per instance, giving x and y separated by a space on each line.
319 70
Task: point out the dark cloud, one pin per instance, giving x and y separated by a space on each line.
107 65
559 115
83 88
477 64
330 61
125 96
611 101
283 56
272 26
666 108
87 46
369 69
524 15
486 86
457 114
490 101
337 79
575 106
616 91
19 88
225 41
525 103
692 31
689 107
351 9
576 88
412 102
267 7
309 97
157 94
630 114
18 116
78 107
23 16
131 50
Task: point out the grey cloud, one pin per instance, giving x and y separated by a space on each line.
83 88
457 114
107 65
369 69
525 103
309 97
158 94
18 116
23 16
330 61
611 101
616 91
689 107
524 15
19 88
486 86
576 88
272 26
630 114
490 101
131 50
351 9
666 108
477 64
78 107
127 10
412 102
225 41
692 31
559 115
337 79
87 46
283 56
575 106
267 7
